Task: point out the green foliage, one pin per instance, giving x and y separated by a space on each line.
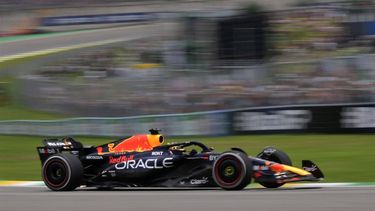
13 112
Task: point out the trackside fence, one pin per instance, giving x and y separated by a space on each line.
329 118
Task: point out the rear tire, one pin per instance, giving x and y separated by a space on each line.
277 156
232 170
62 172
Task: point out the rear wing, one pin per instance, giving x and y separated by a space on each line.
55 145
65 143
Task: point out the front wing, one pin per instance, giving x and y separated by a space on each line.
267 171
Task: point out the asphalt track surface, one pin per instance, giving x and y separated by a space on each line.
119 33
312 199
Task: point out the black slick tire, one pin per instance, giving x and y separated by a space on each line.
232 170
62 172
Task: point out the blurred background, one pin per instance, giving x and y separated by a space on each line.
190 67
226 55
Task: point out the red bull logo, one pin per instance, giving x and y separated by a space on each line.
113 160
136 143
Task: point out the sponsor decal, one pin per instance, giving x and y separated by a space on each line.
47 151
75 152
156 153
272 120
269 151
358 117
213 157
94 157
260 168
59 144
112 173
200 181
145 164
113 160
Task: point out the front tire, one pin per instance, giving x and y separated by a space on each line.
232 170
62 172
277 156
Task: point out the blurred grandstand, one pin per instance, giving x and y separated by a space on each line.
217 60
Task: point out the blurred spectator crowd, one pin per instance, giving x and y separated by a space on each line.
104 83
313 60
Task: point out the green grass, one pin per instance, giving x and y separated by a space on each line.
12 112
343 158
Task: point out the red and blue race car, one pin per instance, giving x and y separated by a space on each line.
144 161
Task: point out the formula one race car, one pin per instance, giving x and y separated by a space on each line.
141 161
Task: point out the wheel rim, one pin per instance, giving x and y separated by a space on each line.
56 173
228 171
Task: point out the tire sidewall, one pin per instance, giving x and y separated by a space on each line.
68 183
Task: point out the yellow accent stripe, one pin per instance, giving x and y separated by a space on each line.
296 170
10 183
6 183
